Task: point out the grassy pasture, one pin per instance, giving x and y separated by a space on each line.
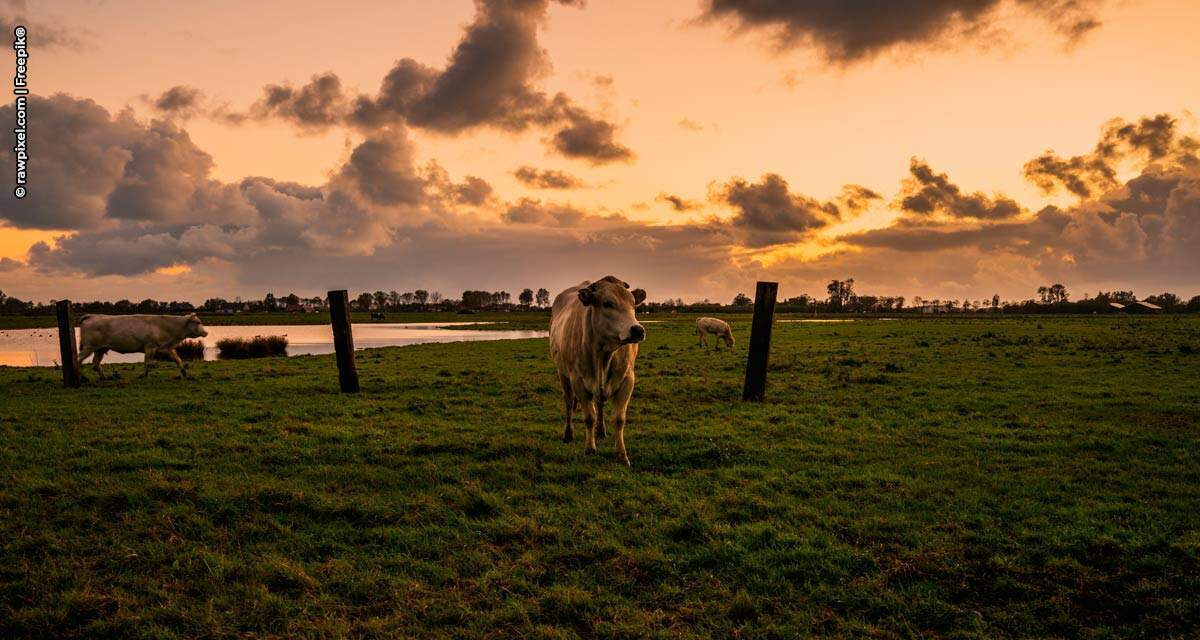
913 478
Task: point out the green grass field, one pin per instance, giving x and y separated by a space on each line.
911 478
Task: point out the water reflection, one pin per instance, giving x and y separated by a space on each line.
39 347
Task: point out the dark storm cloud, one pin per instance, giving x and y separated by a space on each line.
927 192
769 213
488 81
320 103
1149 139
180 99
97 168
589 138
382 168
8 264
546 178
1146 230
139 197
41 35
474 191
677 203
848 32
532 211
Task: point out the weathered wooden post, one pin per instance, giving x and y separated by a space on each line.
343 340
760 341
66 345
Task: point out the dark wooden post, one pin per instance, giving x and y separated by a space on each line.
66 345
760 340
343 340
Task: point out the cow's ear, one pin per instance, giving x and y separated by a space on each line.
639 296
587 296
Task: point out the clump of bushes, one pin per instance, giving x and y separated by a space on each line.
187 350
256 347
191 350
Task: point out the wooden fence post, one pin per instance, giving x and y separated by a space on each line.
760 341
66 345
343 340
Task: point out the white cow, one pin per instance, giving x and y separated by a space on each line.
148 334
718 328
593 341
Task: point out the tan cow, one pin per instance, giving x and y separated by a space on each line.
593 341
718 328
148 334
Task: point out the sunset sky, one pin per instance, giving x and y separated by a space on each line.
690 147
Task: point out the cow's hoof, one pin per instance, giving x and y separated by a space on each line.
590 451
623 459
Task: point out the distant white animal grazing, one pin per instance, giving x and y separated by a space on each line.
148 334
594 336
718 328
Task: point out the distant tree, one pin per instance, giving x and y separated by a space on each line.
741 300
476 299
291 298
1053 294
841 292
394 298
422 296
269 302
543 298
504 297
1193 305
995 301
363 301
435 297
407 297
380 299
212 304
526 297
1167 301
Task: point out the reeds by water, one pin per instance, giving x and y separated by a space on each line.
187 350
256 347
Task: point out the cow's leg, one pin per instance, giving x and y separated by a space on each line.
620 402
150 351
96 361
179 361
84 352
589 419
600 432
569 403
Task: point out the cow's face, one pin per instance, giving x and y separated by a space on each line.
729 339
613 319
194 329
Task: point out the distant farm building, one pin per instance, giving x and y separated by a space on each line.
1142 306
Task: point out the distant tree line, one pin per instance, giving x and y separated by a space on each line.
840 298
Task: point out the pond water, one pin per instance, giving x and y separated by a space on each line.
39 347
